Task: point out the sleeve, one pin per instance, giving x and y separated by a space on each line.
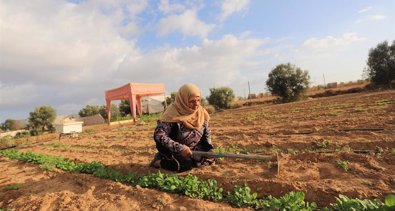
163 140
206 138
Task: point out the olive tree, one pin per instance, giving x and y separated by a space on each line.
221 98
381 64
42 118
89 110
288 82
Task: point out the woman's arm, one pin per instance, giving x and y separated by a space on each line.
206 138
163 140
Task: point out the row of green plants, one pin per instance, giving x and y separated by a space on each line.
192 186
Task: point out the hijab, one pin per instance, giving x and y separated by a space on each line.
179 111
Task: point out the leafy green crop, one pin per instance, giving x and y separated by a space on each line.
345 165
192 186
290 201
12 187
345 203
242 196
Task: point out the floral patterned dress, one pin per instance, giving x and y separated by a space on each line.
172 138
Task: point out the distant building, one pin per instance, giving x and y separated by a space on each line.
67 118
88 120
331 85
251 96
93 120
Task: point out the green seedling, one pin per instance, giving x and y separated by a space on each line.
322 145
343 164
12 187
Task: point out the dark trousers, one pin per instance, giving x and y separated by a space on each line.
176 163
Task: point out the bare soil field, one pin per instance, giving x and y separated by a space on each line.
327 146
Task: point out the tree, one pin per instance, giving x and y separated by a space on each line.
124 108
288 82
9 124
114 111
221 98
89 110
171 99
42 118
381 64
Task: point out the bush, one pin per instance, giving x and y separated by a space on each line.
7 141
22 134
114 111
34 132
381 64
221 98
288 82
171 99
89 110
10 125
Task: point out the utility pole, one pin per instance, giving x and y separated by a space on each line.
249 90
324 80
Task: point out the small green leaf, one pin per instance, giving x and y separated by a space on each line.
390 200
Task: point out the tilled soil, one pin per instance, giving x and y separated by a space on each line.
309 136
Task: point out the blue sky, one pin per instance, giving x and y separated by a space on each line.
67 53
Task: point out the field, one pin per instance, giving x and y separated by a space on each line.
327 146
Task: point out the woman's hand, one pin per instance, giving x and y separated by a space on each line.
186 152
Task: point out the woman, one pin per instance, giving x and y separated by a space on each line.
183 127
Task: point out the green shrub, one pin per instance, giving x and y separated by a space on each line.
89 110
288 82
221 98
35 132
22 134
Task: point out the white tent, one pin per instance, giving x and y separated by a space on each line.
152 104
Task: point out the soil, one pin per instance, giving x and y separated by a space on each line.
310 138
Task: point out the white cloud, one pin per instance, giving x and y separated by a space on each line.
371 18
229 7
58 43
10 95
54 52
166 7
331 42
223 62
363 10
376 17
187 23
134 7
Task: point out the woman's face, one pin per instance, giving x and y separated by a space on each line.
194 102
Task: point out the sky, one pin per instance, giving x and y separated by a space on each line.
67 53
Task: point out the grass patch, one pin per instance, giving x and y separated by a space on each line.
343 164
12 187
59 146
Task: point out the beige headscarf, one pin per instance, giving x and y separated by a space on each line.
179 111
